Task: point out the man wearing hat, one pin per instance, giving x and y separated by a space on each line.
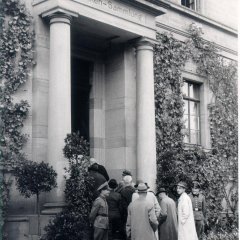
121 183
199 208
186 225
99 214
168 218
150 197
142 220
115 212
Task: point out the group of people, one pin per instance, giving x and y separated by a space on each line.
127 211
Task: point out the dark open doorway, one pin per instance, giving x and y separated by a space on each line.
80 90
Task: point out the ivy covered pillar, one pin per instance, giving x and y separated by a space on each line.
146 136
59 102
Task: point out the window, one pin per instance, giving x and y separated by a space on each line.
191 96
189 4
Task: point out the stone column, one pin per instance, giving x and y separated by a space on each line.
59 102
146 136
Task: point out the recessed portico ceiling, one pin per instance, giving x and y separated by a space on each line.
97 35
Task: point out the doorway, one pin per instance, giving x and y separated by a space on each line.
80 90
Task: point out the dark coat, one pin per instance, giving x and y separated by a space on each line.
101 169
168 219
126 195
114 205
98 179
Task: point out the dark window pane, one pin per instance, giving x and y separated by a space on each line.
194 91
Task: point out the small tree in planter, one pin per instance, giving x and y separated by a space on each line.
33 178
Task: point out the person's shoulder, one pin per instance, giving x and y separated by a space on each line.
201 195
185 196
100 166
98 200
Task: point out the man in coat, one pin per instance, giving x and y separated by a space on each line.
186 225
115 212
100 168
199 208
150 197
142 220
99 214
168 218
98 179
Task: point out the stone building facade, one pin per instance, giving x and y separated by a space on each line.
94 74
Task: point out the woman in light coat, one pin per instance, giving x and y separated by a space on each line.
186 225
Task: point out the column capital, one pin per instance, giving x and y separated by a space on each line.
145 43
59 15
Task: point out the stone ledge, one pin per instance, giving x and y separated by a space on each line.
18 219
53 208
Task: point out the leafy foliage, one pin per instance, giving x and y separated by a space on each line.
176 162
72 223
34 178
223 235
16 59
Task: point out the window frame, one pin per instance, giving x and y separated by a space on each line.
190 99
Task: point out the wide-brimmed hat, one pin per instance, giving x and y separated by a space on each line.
182 184
140 181
162 189
142 188
104 186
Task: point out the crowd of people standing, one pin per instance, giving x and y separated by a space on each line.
124 210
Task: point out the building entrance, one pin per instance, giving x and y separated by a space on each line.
80 90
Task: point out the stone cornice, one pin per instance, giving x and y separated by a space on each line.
187 35
195 15
154 7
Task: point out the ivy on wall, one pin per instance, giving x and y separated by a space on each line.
175 162
16 59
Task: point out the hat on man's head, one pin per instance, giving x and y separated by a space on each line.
182 184
104 186
162 189
126 173
142 188
112 183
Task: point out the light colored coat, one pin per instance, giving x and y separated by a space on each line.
151 198
140 214
186 225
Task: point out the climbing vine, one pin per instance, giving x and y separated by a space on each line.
174 161
16 59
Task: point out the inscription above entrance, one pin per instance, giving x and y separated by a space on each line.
117 9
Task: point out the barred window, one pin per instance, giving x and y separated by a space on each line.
191 96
